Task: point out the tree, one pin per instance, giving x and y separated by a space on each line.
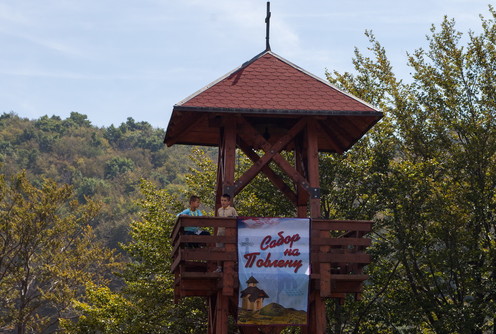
47 253
118 165
429 169
145 303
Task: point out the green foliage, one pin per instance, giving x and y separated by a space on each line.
145 304
104 163
118 165
47 253
131 135
428 170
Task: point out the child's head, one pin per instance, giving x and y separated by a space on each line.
225 200
194 202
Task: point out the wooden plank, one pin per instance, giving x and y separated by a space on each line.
196 293
198 285
342 225
206 221
341 258
197 275
340 277
341 241
191 266
176 245
343 277
175 229
207 239
348 286
176 262
200 254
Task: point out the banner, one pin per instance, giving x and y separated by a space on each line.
274 270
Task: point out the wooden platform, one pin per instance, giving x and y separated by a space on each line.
337 258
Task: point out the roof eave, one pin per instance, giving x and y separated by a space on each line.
298 112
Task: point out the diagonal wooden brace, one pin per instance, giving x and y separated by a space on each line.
271 154
271 175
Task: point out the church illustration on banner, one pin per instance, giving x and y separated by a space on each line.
252 296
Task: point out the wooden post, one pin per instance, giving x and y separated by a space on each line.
313 168
229 154
220 170
301 167
211 314
318 324
221 314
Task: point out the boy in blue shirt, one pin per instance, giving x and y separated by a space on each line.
194 204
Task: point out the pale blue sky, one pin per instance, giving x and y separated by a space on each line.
113 59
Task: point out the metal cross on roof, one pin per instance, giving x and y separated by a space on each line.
267 22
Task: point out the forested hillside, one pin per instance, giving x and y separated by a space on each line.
105 164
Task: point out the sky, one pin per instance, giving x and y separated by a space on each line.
114 59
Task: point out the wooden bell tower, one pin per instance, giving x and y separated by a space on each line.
270 105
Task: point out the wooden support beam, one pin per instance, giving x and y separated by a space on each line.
290 171
313 168
228 270
325 269
187 122
301 166
335 134
271 153
320 316
350 123
271 175
229 148
220 170
317 315
335 142
211 314
221 314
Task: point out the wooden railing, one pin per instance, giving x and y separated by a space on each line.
337 257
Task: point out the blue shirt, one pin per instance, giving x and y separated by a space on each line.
195 213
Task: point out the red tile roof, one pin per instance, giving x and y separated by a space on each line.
270 91
269 82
